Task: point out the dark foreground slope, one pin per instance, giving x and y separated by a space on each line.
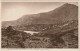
19 39
62 36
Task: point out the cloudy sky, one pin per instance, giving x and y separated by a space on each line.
14 10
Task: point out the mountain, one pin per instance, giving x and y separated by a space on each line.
64 13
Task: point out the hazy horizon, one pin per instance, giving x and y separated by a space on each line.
15 10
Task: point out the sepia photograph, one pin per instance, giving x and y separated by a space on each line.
39 25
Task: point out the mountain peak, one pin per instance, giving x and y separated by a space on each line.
59 15
67 4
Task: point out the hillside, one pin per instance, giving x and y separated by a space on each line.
66 12
18 39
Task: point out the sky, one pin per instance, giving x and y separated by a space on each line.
15 10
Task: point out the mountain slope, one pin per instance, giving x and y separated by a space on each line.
66 12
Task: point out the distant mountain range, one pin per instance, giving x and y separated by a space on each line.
60 15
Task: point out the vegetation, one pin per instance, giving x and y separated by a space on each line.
64 38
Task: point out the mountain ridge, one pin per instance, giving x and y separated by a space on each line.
61 14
